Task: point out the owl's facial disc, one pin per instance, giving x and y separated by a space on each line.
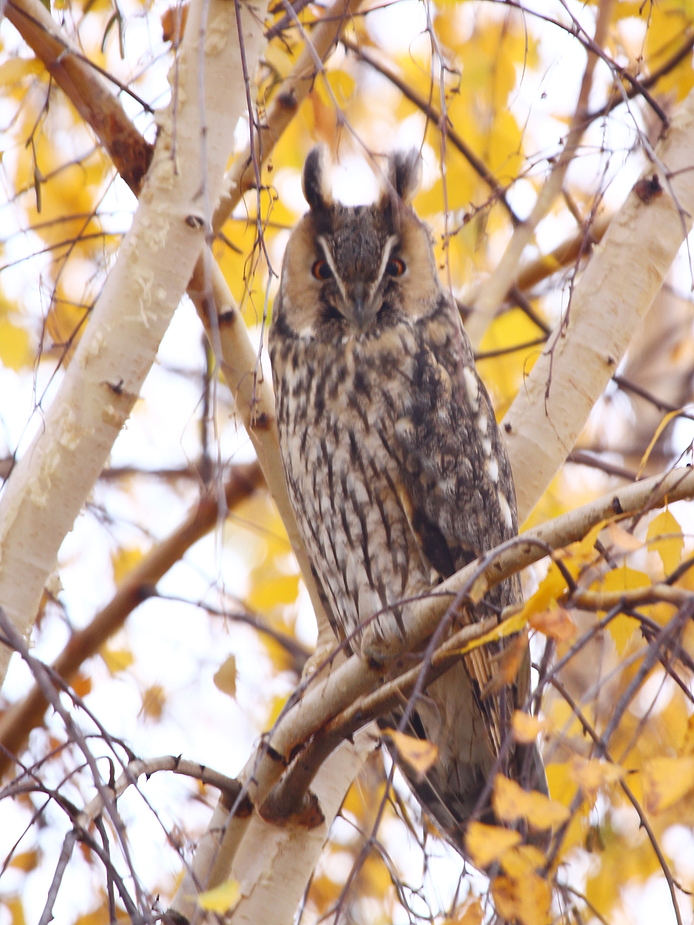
358 285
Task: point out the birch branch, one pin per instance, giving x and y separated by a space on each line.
492 293
563 255
84 86
207 287
137 767
614 293
52 480
322 701
273 864
295 88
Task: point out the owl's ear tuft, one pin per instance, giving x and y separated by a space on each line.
315 179
405 173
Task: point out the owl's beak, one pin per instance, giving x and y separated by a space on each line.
360 305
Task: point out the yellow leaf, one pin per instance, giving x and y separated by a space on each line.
622 538
340 84
509 627
563 788
665 538
505 899
275 707
511 803
15 345
16 910
273 591
623 579
666 781
100 915
471 914
419 754
487 843
522 860
13 70
658 431
525 900
124 561
591 774
81 685
225 676
585 550
221 898
375 877
526 727
622 628
173 23
25 861
116 659
153 701
688 743
555 623
551 588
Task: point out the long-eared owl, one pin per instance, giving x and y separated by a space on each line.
394 462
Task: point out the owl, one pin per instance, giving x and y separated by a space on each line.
395 465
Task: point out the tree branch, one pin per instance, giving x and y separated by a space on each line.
19 719
284 105
331 690
491 294
614 293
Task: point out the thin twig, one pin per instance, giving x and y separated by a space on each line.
43 678
149 766
586 458
432 113
52 894
643 819
20 718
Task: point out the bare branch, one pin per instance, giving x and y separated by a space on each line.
612 296
230 787
432 113
18 720
493 292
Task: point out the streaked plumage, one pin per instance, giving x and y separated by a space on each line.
394 462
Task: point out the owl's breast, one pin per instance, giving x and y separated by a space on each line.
339 413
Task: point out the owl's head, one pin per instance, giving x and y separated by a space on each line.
353 270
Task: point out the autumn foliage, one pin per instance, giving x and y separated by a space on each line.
176 621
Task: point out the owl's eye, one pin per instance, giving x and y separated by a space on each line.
395 267
321 270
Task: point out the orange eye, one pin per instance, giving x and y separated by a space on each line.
321 270
395 267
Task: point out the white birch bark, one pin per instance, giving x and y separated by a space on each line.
609 302
273 864
272 871
54 477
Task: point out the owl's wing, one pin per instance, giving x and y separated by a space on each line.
458 492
